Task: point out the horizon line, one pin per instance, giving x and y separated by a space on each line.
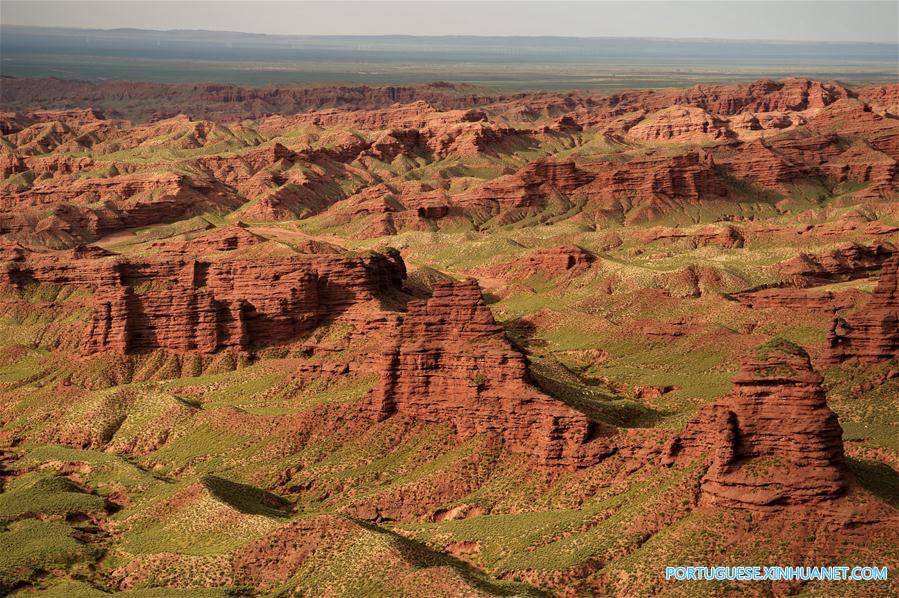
463 35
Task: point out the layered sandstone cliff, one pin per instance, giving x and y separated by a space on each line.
872 333
773 442
209 295
681 124
443 360
451 363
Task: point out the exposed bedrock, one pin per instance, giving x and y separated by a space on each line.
871 334
773 442
180 300
452 363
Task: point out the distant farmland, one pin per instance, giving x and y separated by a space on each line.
495 62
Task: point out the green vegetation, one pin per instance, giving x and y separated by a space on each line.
35 494
31 546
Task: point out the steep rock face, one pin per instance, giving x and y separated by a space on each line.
445 360
757 162
183 301
872 333
846 262
681 124
649 185
451 363
774 443
531 186
205 311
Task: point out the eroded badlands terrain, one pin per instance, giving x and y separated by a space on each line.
354 341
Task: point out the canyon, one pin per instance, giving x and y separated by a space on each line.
492 343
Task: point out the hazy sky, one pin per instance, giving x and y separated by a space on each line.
846 20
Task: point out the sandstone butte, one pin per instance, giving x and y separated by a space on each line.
774 443
451 362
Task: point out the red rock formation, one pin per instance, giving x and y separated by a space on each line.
726 237
884 99
773 442
471 139
10 122
872 333
757 162
72 117
763 96
649 185
448 361
863 164
10 163
846 262
530 187
393 143
451 363
681 124
790 298
61 200
87 209
206 295
551 262
749 123
847 116
564 124
804 149
56 164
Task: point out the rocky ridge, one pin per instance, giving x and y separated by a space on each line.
452 363
74 175
872 333
445 358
